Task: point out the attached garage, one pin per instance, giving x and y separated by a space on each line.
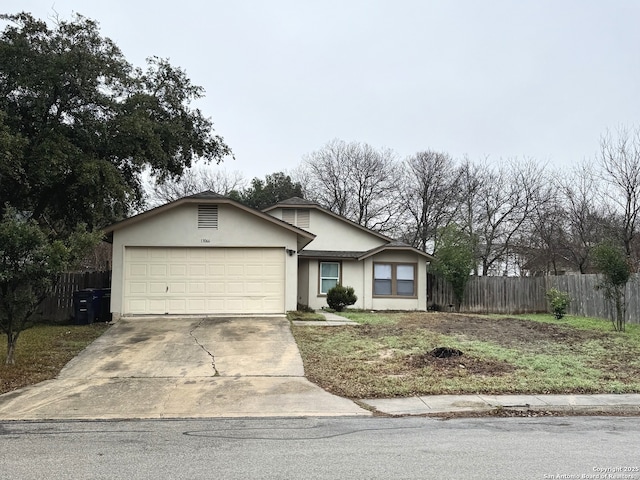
204 255
179 280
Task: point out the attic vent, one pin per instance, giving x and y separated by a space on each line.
208 216
289 215
303 218
297 217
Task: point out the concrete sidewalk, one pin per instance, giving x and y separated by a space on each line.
332 320
441 404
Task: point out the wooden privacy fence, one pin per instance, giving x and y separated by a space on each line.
58 306
511 295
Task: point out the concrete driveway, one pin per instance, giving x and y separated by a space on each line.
165 367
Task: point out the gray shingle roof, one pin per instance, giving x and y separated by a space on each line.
329 254
206 194
296 201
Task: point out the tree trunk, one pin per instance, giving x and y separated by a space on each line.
456 304
619 313
11 349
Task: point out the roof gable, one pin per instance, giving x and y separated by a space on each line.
210 198
328 241
297 202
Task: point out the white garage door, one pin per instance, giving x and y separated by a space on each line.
203 280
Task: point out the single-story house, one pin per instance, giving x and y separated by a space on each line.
206 254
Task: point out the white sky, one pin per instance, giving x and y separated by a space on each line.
541 79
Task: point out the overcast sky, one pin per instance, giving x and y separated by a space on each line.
541 79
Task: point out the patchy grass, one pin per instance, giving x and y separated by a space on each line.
305 316
367 318
388 355
42 351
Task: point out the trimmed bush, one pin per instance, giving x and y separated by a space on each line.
559 302
340 297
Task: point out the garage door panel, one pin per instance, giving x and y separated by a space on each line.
215 305
157 254
177 305
235 288
215 270
197 305
196 288
254 270
195 254
215 288
137 270
271 270
137 306
177 253
271 288
198 270
177 270
177 288
253 288
157 287
137 288
234 270
204 280
138 254
235 305
271 304
235 254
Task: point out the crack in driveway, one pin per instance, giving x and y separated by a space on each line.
216 373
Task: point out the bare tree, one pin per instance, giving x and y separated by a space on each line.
585 219
541 244
620 170
196 179
354 180
507 198
430 196
472 178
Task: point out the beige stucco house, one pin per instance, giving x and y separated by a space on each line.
206 254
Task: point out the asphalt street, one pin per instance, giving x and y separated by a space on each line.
324 448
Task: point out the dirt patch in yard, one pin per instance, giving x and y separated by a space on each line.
463 365
507 332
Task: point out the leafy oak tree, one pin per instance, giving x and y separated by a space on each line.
78 126
85 123
264 193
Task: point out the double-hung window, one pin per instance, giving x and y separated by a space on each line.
394 280
329 276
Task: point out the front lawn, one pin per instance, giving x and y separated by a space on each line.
42 351
389 355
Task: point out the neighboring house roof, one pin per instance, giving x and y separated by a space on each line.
390 245
304 237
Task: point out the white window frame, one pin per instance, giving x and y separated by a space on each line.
321 278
